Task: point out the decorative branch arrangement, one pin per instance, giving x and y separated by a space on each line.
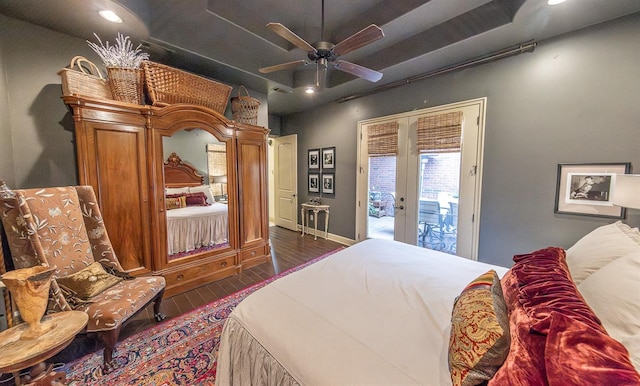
122 54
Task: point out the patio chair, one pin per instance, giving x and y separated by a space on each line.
62 227
430 218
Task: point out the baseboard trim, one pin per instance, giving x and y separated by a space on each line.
333 237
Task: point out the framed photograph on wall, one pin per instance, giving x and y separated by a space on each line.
328 183
314 183
587 189
329 158
314 159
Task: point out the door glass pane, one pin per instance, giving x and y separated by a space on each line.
382 190
439 189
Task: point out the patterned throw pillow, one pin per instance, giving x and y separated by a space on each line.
480 338
89 281
175 202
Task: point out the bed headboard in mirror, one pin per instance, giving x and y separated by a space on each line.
178 174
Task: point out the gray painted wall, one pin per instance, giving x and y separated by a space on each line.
575 99
36 128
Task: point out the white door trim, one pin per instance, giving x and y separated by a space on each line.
473 211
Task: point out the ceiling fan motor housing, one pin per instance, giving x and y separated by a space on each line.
323 50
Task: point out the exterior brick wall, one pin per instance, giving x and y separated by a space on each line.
440 174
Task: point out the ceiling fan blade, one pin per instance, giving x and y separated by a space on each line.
291 37
283 66
359 71
359 39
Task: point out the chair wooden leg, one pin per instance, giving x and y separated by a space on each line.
109 339
157 313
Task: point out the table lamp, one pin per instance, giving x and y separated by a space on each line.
222 180
627 191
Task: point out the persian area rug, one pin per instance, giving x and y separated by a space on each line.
179 351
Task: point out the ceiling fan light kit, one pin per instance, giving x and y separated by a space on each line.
324 53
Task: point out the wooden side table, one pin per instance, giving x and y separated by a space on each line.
18 354
304 211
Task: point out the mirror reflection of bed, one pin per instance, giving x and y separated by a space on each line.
196 208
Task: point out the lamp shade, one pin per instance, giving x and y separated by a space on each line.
627 191
220 179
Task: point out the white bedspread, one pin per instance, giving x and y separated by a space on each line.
376 313
197 226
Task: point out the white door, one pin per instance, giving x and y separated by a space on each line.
409 185
286 181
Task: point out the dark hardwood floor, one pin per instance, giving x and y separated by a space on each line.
288 249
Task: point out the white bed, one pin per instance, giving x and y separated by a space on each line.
376 313
380 313
194 227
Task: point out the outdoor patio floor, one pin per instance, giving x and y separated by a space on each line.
382 228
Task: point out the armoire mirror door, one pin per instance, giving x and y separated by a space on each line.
195 186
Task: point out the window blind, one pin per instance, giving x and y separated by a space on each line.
440 133
383 139
217 160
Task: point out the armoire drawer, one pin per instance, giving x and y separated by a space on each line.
253 256
200 271
252 253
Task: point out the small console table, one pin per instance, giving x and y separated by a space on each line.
304 211
18 354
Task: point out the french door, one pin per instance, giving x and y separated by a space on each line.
394 192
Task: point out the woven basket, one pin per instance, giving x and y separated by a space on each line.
167 85
245 108
127 84
87 80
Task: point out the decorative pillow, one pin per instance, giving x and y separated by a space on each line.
613 292
509 283
89 281
479 341
197 199
203 189
576 354
178 191
524 365
545 286
601 246
175 202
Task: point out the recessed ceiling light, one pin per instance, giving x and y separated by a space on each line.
555 2
111 16
310 90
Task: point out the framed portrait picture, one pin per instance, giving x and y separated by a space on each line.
314 159
328 183
329 158
314 183
587 189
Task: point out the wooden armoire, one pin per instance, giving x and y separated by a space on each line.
120 154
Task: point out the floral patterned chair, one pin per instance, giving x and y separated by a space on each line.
62 227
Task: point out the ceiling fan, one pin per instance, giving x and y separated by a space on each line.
322 53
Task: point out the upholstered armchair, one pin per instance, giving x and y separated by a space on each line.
62 227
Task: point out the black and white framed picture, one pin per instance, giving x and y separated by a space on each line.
328 183
329 158
314 183
586 189
314 159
